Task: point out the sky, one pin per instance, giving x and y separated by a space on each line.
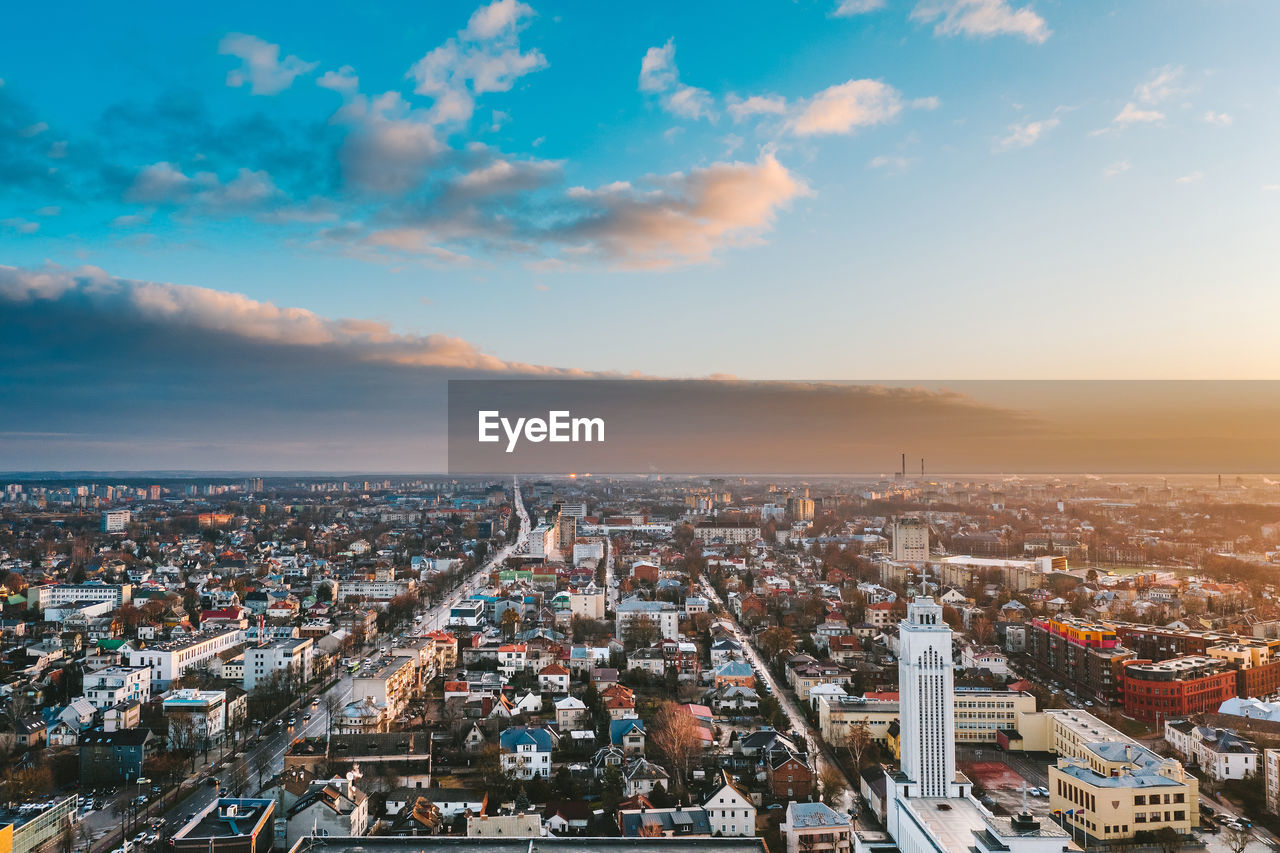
276 214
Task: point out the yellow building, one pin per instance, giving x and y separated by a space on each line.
1117 790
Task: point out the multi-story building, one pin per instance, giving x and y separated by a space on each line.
170 660
1176 688
730 533
115 684
910 540
664 615
1271 779
390 686
197 718
62 594
1116 790
288 659
1087 654
361 625
116 520
229 825
730 809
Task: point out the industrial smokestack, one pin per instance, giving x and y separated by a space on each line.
904 467
921 467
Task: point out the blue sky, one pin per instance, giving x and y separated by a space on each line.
816 189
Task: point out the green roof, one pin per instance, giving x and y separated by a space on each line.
110 645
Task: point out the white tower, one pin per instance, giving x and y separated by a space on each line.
927 701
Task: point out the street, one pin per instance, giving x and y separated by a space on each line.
105 825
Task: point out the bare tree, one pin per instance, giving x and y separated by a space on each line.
832 782
856 739
1236 839
261 765
675 733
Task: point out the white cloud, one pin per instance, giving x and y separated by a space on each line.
846 8
484 57
261 66
1133 114
756 105
1271 188
981 18
131 220
33 130
847 106
1117 168
930 103
1026 134
1161 86
659 76
681 218
1190 178
51 210
1220 119
496 18
343 80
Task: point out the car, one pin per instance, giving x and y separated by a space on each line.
139 838
315 702
211 781
306 717
1088 703
279 723
140 799
152 838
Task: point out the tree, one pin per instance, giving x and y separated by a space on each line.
773 641
856 739
675 734
832 783
1236 839
641 632
261 765
510 623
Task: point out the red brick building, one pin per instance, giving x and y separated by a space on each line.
1154 692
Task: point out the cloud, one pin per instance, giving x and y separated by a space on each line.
1117 168
659 76
889 162
845 107
390 146
164 184
484 57
982 19
1190 178
1133 114
682 217
261 66
1220 119
930 103
179 307
1161 86
343 80
1271 188
49 210
1026 134
21 226
847 8
756 105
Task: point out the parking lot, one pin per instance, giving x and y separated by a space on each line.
1003 776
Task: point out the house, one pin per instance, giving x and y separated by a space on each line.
554 678
566 817
989 658
628 735
816 828
570 712
332 807
788 774
525 752
730 809
23 734
641 776
676 822
735 673
112 758
734 700
1221 754
724 650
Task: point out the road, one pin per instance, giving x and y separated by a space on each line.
273 741
819 756
438 616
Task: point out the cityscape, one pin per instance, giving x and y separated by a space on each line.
535 426
818 666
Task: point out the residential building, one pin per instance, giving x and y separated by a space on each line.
730 809
172 659
288 659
